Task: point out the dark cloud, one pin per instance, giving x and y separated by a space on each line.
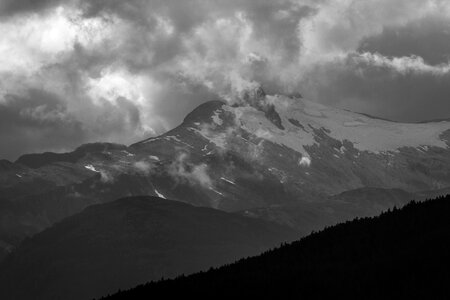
12 7
121 70
428 38
36 121
380 91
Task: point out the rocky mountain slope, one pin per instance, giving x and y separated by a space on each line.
127 242
262 154
403 254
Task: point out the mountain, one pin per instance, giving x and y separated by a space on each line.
127 242
402 254
316 215
270 155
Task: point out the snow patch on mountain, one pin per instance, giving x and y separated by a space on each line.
216 118
255 122
159 194
127 153
92 168
176 139
105 176
305 161
216 191
227 180
366 134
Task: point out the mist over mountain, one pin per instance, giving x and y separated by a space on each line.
141 139
269 156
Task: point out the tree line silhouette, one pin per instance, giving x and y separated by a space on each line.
401 253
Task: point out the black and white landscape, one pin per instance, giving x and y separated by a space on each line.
142 140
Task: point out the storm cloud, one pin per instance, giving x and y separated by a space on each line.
79 71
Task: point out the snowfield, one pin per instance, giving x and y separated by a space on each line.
366 134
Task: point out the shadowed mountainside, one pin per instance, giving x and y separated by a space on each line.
127 242
401 254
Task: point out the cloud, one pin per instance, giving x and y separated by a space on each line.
402 65
143 167
12 7
428 38
339 26
36 120
404 89
125 70
182 169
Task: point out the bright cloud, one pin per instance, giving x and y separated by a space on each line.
123 70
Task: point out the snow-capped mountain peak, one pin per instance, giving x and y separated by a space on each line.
264 151
294 123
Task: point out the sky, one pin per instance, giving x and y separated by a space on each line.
78 71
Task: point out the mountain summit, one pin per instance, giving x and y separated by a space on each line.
281 155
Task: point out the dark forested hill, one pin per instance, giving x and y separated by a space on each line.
402 253
128 242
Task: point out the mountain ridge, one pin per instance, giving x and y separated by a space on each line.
403 253
129 241
235 157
